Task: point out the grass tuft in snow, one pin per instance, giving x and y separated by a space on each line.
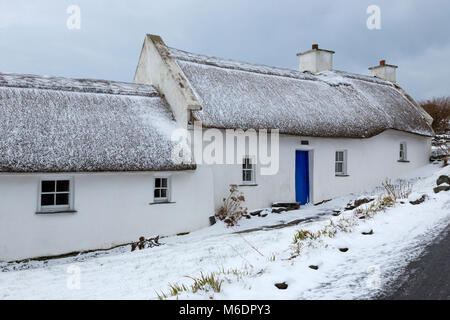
211 282
207 282
307 238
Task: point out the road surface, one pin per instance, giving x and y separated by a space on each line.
428 277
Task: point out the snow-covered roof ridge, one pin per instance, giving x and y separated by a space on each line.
75 85
326 76
66 125
329 104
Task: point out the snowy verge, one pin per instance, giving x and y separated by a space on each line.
248 265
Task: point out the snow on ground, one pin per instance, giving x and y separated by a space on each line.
259 259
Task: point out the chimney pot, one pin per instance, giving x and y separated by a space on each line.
384 71
315 60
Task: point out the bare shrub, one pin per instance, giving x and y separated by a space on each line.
439 110
145 243
232 210
401 190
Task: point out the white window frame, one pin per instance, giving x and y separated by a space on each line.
343 161
161 187
251 169
403 151
56 208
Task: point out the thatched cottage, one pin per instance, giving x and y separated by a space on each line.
88 164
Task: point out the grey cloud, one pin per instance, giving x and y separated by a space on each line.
414 35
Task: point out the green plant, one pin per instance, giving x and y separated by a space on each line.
301 235
175 289
207 282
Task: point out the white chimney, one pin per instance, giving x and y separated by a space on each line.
384 71
315 60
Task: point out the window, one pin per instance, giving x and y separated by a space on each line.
55 195
161 192
248 171
340 167
402 152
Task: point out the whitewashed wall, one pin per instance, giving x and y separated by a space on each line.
370 161
112 209
156 67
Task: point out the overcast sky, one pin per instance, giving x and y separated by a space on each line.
415 35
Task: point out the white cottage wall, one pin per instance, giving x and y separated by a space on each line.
157 68
370 161
112 209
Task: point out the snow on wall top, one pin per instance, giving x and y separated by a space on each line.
330 104
67 125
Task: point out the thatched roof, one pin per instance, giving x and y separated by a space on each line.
331 104
50 124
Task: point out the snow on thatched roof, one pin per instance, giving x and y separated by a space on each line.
331 104
51 124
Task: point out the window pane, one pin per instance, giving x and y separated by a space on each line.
163 193
62 199
247 175
246 163
62 185
47 199
339 167
164 182
157 183
157 193
48 186
339 156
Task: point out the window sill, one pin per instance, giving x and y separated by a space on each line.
248 185
56 211
162 202
405 161
342 175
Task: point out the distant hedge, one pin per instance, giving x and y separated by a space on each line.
439 110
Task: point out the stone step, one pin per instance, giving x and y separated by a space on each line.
290 205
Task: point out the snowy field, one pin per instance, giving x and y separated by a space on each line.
250 263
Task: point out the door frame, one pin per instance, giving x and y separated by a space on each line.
310 173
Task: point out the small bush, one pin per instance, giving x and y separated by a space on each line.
145 243
232 210
401 190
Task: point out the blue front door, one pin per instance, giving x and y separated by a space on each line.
301 176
